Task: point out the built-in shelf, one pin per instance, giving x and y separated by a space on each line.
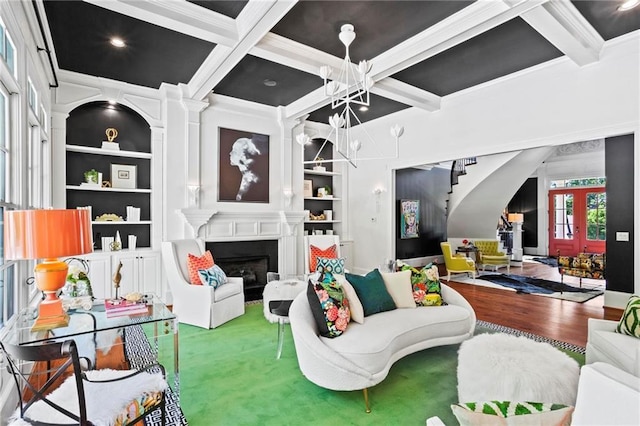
323 198
120 222
112 152
101 189
321 221
319 173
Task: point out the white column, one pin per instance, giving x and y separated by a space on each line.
58 159
192 110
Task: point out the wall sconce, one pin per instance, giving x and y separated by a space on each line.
288 196
378 190
194 195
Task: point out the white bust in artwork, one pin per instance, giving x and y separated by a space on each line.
241 156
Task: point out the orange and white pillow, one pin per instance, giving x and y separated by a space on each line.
195 263
316 252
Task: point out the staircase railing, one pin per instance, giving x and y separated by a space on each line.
459 168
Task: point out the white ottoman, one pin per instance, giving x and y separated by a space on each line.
280 290
503 367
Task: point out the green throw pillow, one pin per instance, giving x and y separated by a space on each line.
372 292
630 322
515 413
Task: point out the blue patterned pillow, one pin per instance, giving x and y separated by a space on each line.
213 276
332 266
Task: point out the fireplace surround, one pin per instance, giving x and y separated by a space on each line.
250 260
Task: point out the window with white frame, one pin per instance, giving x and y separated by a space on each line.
7 268
7 49
32 97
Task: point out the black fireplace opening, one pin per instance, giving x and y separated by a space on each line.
250 260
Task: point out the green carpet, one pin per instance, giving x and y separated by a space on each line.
229 376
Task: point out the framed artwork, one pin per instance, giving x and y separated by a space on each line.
123 176
243 160
308 188
409 219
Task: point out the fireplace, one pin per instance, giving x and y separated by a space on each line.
250 260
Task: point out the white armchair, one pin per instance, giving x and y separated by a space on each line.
199 305
604 344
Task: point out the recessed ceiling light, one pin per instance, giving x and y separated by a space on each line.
269 83
111 102
117 42
363 108
628 5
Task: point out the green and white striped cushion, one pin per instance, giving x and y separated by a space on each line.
512 413
630 322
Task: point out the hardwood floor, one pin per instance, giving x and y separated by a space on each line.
553 318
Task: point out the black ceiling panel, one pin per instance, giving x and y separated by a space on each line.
379 25
510 47
246 81
606 19
153 55
230 8
379 107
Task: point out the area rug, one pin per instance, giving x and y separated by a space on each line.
551 261
530 285
230 376
139 353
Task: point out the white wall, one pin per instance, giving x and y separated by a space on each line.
554 103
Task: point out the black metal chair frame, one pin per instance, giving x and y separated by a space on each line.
67 351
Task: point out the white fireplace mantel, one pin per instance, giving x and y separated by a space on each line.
220 226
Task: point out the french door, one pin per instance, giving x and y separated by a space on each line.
577 220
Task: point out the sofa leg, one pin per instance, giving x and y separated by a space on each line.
367 408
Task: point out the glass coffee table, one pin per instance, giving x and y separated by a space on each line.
143 338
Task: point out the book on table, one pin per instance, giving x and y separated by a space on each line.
116 307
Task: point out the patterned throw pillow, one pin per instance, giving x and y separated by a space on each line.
213 276
512 413
426 284
329 305
195 263
630 322
330 265
316 252
372 292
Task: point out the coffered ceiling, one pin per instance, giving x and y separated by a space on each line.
421 51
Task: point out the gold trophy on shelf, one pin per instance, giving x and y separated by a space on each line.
111 133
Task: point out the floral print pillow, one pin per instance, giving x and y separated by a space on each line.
425 283
329 304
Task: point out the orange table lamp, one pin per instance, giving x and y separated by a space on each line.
48 235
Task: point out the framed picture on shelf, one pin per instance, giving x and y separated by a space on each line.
123 176
243 162
409 219
308 188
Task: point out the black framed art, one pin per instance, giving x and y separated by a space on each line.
243 159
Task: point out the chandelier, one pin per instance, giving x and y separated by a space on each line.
348 90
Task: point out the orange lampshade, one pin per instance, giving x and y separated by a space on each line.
516 217
40 234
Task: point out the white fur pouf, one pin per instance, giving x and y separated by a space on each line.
503 367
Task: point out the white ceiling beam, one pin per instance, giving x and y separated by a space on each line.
254 22
565 27
179 16
469 22
407 94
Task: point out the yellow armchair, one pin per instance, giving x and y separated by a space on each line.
488 255
457 264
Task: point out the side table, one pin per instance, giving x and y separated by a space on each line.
277 298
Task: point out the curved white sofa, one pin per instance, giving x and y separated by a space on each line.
362 356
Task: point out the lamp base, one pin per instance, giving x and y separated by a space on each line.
50 315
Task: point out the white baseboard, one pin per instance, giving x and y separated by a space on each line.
616 299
